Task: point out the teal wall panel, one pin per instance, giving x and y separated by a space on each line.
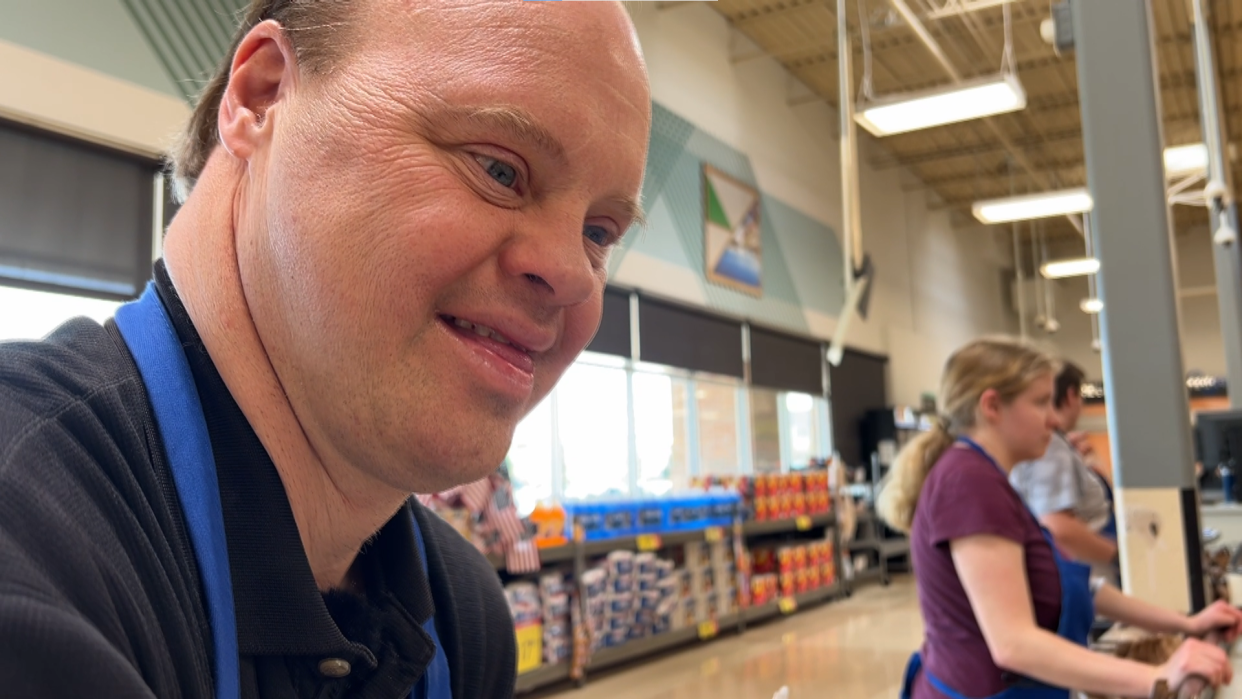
802 257
96 34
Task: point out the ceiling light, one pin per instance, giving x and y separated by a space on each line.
1091 305
1029 206
1070 268
961 102
1184 160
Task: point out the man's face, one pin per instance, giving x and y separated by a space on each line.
1071 409
423 242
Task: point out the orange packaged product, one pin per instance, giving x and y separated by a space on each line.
813 577
800 503
784 559
549 525
800 557
788 585
800 581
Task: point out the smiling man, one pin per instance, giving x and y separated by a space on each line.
395 241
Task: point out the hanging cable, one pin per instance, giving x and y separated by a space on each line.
1008 65
865 90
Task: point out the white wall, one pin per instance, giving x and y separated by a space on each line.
937 286
1202 348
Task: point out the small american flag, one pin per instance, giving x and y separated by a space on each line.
522 557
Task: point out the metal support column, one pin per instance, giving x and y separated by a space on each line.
1222 209
1148 410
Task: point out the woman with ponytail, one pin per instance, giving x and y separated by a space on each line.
1004 615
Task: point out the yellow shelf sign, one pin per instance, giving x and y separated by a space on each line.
713 534
530 647
649 542
788 605
803 523
708 629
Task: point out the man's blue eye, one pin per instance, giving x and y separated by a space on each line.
597 234
502 172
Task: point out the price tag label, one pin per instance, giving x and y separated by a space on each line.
708 629
713 534
803 523
530 647
649 542
788 605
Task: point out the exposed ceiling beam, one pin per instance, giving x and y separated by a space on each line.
988 148
1054 167
781 8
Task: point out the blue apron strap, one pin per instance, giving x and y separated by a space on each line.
434 683
149 334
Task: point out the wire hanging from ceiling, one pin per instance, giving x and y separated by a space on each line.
866 90
1008 64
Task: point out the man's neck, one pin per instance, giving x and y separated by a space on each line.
1066 421
336 508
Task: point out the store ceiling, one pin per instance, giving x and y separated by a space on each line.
961 163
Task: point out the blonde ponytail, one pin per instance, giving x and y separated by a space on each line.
899 492
1004 365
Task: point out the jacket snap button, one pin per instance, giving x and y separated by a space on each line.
334 668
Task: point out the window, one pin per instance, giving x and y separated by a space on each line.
800 428
531 458
593 428
660 432
716 404
766 430
31 315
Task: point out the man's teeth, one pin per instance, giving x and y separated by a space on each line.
481 330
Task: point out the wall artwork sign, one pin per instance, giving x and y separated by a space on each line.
731 232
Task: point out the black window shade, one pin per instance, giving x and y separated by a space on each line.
73 217
678 337
859 384
785 362
614 328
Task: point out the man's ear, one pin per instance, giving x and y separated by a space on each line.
264 68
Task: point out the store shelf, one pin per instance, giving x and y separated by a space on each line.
875 573
865 544
780 526
548 556
766 611
892 548
609 657
806 599
542 677
598 548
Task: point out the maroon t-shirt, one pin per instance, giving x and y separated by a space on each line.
967 494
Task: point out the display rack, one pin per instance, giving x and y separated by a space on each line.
580 552
870 537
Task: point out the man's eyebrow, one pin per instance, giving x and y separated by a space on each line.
516 122
631 209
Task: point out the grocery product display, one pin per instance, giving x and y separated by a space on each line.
624 579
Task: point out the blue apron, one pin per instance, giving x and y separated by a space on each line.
156 349
1077 616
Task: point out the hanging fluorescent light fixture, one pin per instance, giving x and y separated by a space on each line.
1185 160
1091 306
973 99
1032 206
1061 269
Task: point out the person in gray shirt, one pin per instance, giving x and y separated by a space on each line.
1071 500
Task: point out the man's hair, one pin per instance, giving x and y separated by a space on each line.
1071 376
316 30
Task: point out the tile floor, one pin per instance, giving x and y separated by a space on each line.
849 649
